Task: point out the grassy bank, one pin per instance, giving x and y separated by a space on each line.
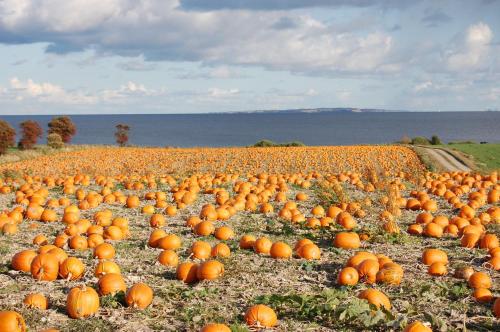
485 156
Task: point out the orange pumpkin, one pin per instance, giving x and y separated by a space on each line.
224 233
261 315
347 240
139 296
221 250
376 298
168 258
104 251
309 251
417 327
22 260
204 228
210 270
104 267
111 283
45 267
213 327
390 273
169 242
155 237
247 241
72 268
36 300
201 250
82 302
280 250
430 256
348 276
482 295
11 321
187 272
437 269
479 280
262 246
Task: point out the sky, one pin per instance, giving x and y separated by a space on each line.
199 56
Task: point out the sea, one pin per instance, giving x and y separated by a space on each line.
244 129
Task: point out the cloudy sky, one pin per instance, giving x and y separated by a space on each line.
193 56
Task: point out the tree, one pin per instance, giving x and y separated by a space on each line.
121 134
64 127
31 133
7 136
435 140
405 140
420 140
55 141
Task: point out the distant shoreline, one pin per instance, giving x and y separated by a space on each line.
284 112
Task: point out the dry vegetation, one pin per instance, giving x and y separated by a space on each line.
381 196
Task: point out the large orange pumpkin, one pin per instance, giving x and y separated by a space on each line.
139 296
45 267
376 298
261 315
348 276
280 250
210 270
111 283
82 302
11 321
347 240
36 300
187 272
22 260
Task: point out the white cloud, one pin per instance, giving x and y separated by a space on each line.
137 65
475 50
45 92
422 86
222 93
218 72
344 95
492 94
312 92
162 30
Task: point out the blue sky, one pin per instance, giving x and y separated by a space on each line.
197 56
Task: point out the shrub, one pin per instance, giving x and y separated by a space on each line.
294 143
31 133
7 136
268 143
264 143
121 134
55 141
462 142
64 127
419 140
435 140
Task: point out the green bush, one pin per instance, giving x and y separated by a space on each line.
435 140
55 141
264 143
268 143
420 140
462 142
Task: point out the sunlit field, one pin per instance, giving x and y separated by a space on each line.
245 239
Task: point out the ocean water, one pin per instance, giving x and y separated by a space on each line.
326 128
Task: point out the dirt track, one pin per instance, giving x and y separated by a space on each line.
446 160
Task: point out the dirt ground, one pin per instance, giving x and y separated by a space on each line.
303 293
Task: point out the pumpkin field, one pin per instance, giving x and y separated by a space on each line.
353 238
